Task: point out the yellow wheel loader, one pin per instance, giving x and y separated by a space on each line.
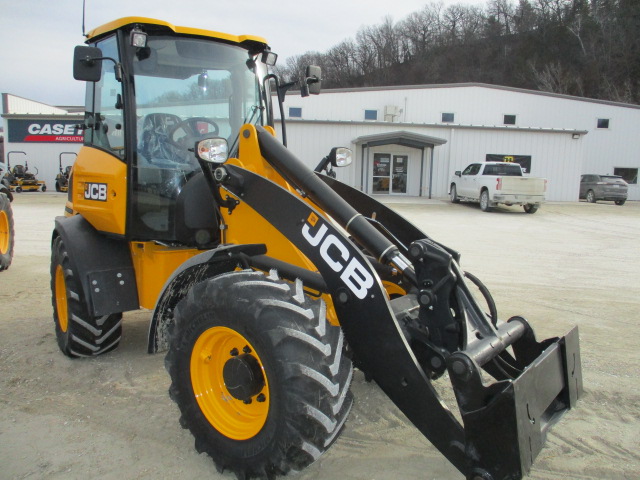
270 281
7 234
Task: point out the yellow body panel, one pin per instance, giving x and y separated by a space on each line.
153 265
100 190
245 225
121 22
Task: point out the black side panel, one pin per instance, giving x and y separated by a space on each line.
104 264
196 213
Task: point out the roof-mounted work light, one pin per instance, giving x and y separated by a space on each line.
138 38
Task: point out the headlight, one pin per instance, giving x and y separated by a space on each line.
214 150
340 156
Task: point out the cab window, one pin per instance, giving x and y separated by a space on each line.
104 115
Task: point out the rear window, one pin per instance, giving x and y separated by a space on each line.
504 170
612 180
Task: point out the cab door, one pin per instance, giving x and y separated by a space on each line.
468 181
99 191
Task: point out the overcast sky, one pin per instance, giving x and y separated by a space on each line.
37 36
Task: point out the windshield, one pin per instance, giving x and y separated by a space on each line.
188 88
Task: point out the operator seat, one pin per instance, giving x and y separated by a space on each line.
154 142
18 171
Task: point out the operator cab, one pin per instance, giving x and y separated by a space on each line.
155 90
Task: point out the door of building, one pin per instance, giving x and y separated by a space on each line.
389 176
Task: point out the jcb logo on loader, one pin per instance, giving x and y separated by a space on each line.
336 255
95 191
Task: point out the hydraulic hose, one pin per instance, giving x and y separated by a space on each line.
305 179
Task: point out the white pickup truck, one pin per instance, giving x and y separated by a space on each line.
491 183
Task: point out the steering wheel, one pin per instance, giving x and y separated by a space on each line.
186 133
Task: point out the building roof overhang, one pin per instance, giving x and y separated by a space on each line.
400 137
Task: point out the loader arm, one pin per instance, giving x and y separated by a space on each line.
507 401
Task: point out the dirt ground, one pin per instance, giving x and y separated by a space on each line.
111 417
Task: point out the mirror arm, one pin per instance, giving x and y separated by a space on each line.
282 92
117 66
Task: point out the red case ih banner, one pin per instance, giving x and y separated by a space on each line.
52 131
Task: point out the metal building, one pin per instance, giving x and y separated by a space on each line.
425 133
407 140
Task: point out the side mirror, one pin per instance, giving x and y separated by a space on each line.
87 63
312 81
458 173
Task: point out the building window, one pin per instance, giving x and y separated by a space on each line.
603 123
371 115
295 112
509 120
448 117
629 175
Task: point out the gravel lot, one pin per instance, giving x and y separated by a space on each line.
111 417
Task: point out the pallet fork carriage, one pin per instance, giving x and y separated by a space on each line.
269 281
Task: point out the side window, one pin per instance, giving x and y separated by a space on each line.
472 169
104 116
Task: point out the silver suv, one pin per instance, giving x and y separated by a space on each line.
603 187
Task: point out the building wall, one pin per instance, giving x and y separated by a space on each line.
555 154
483 107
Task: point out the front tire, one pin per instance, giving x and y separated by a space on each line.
7 232
454 194
591 196
290 395
78 333
485 205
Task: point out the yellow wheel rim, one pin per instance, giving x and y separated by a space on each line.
61 299
230 416
4 232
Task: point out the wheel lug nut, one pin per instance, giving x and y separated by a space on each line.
234 352
246 349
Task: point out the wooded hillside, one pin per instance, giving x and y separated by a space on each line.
576 47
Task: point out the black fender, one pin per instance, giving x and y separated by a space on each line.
204 265
103 265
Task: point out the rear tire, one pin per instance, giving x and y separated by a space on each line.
296 401
58 188
485 205
620 202
530 208
44 188
7 232
78 333
591 196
